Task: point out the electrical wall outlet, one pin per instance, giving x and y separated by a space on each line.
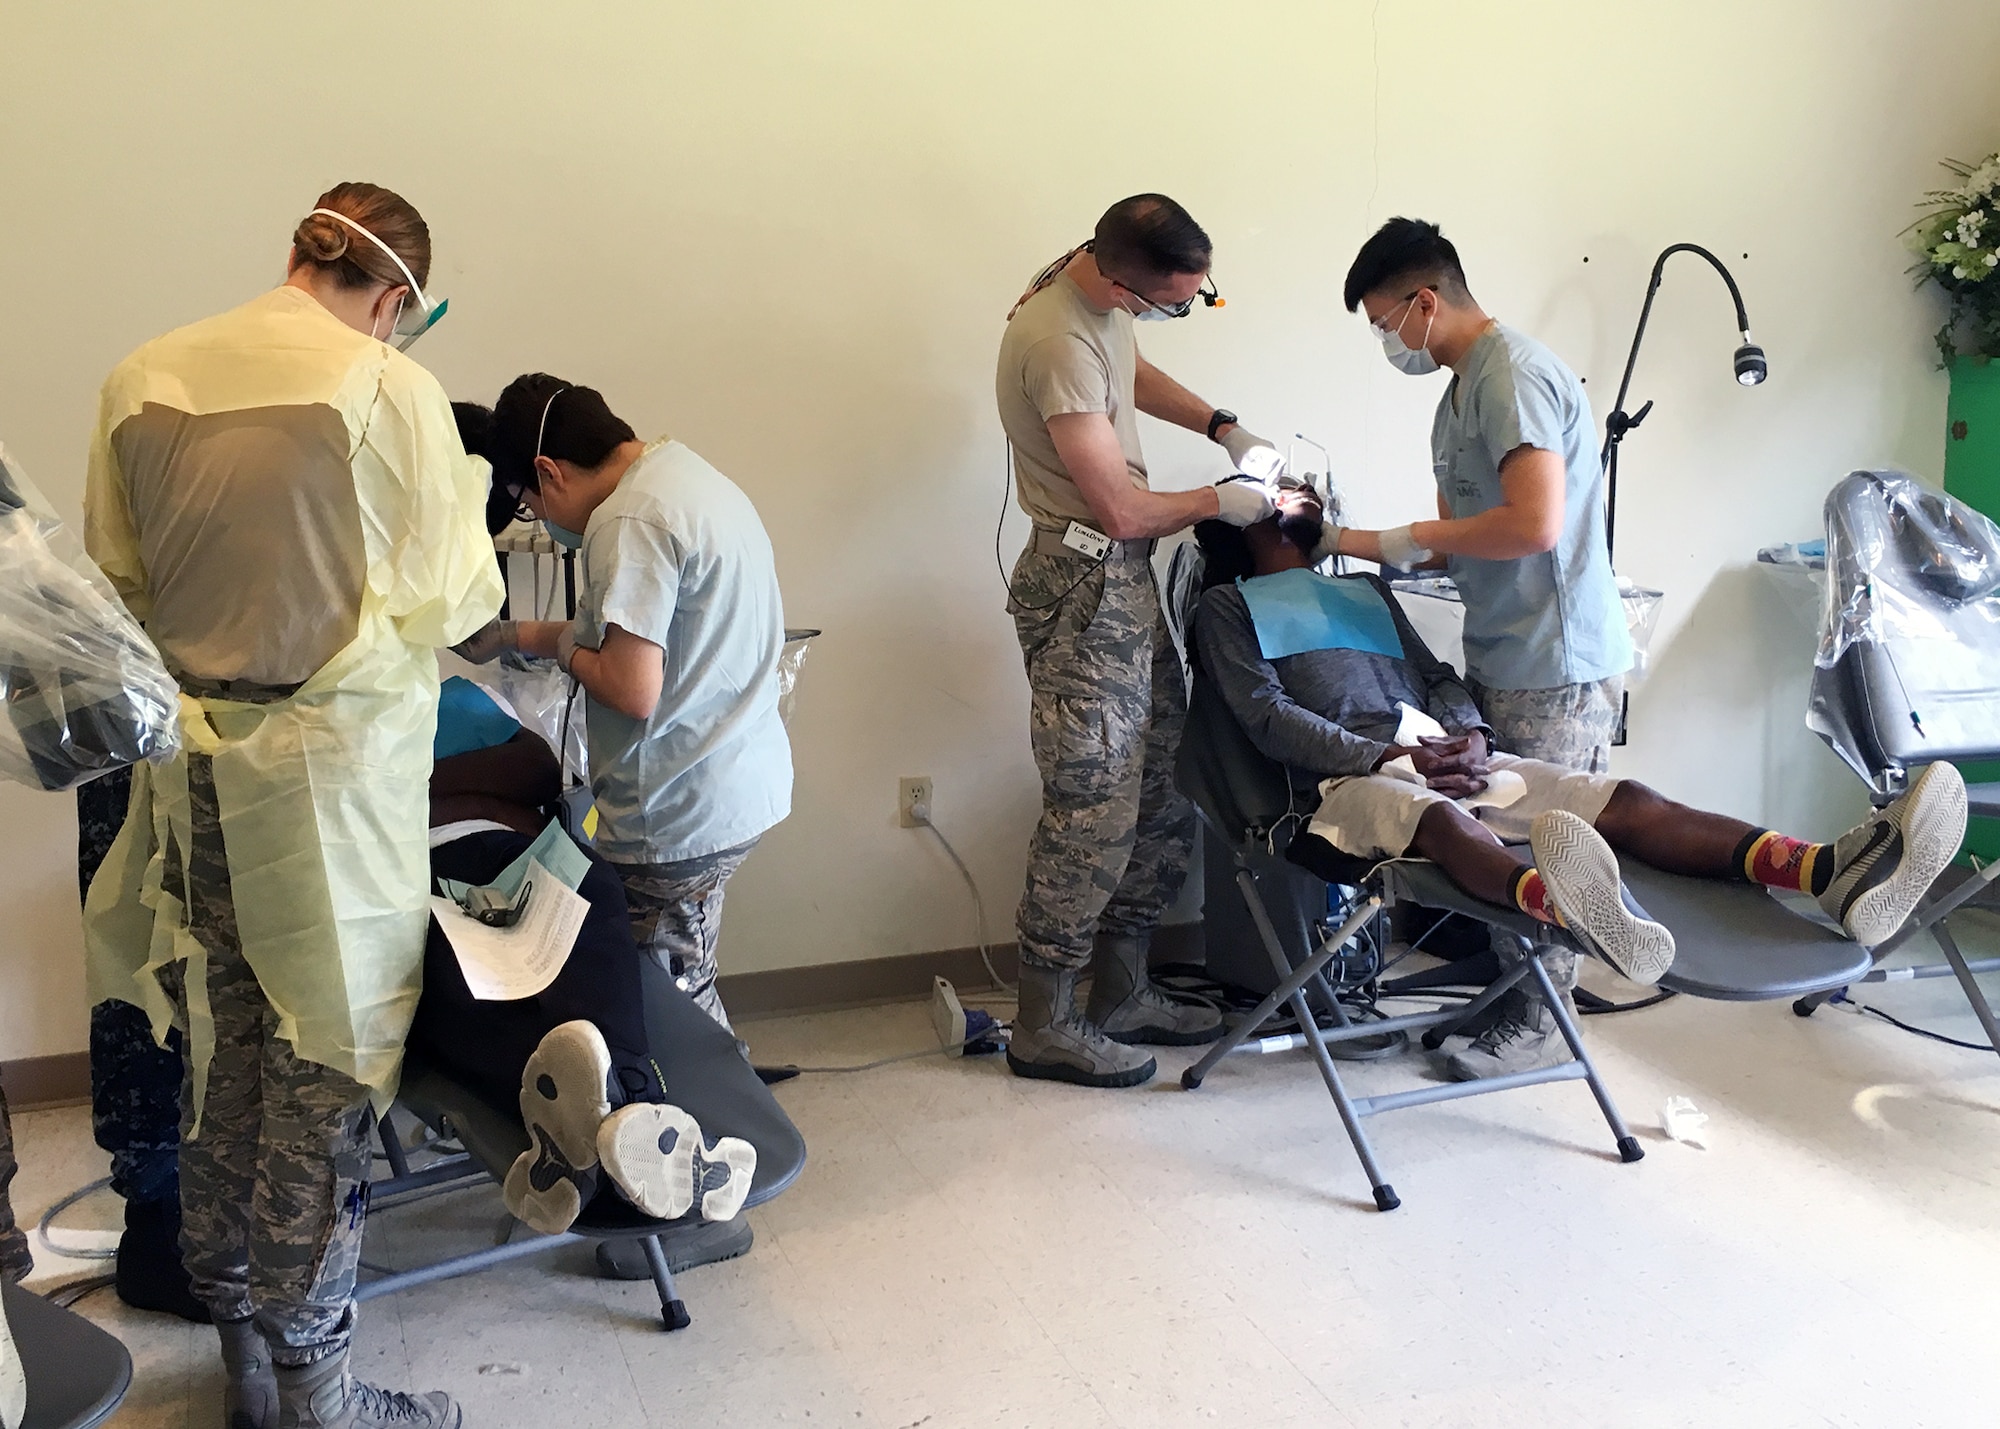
913 801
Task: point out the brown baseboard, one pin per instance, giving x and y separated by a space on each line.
866 982
61 1080
64 1079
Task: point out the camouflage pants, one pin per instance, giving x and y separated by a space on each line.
15 1261
676 913
1570 725
274 1188
135 1083
1108 702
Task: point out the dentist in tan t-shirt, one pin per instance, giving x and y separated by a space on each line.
1108 702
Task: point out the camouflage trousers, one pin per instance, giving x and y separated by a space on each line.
15 1261
135 1083
274 1188
676 911
1570 725
1108 702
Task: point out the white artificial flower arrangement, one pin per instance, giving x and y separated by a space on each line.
1958 243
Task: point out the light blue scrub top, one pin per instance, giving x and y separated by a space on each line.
678 556
1545 620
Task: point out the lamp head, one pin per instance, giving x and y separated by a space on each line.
1751 368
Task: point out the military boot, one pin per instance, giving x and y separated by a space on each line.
323 1395
250 1384
1519 1033
1050 1040
1126 1005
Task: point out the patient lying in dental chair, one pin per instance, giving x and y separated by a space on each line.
575 1056
1328 677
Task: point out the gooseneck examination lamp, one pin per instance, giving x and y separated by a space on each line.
1751 369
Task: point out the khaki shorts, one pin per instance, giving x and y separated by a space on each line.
1376 815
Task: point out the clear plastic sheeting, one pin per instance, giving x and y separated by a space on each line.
1908 665
791 660
1905 561
1642 611
84 689
548 702
1642 618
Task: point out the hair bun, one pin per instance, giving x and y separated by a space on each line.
321 239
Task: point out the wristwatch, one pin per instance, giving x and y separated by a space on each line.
1220 417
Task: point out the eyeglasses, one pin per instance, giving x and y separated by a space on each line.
1206 292
1381 329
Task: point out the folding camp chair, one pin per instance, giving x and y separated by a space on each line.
1245 799
1909 673
76 1373
705 1073
1733 941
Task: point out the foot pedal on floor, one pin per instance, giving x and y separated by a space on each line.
961 1032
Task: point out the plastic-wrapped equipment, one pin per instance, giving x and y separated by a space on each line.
1642 611
83 687
1908 666
791 660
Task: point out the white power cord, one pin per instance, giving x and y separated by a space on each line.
978 903
990 1034
47 1225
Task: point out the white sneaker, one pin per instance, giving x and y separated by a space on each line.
565 1096
1581 872
1883 866
13 1378
654 1155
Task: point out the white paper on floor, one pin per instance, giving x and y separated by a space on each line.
1683 1121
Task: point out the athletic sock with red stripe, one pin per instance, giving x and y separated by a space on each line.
1776 861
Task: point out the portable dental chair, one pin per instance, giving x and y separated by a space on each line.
1908 672
1734 941
704 1072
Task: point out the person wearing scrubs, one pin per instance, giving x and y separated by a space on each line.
675 644
282 499
1520 504
1520 528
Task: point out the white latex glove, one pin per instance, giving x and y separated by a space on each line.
488 643
1253 456
1243 503
566 646
1329 542
1399 548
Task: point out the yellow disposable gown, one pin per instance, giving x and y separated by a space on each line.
313 519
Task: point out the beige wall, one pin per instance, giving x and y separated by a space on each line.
788 233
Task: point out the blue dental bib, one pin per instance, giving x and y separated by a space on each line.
1299 610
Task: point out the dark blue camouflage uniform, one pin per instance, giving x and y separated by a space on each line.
15 1262
135 1084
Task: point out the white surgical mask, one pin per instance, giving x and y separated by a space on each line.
392 322
1415 361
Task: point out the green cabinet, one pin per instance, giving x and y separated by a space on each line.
1972 434
1972 474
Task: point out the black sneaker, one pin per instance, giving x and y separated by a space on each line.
1883 866
150 1275
685 1246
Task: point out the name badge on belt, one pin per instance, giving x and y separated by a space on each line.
1081 538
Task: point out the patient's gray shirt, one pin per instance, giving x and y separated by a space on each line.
1325 712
